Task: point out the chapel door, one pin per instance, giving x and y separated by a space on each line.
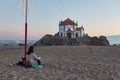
69 35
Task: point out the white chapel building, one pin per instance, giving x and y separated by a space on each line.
68 28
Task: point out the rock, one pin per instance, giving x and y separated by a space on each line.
50 40
56 35
86 40
44 41
56 41
104 41
101 41
95 41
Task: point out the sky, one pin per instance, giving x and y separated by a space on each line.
98 17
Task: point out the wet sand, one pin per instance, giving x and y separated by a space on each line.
63 63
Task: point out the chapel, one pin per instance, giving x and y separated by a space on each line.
70 29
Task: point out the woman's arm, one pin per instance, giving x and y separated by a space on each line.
35 56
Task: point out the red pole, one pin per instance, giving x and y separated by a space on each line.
25 46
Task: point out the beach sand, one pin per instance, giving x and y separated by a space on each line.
63 63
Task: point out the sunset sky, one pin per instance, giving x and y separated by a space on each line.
98 17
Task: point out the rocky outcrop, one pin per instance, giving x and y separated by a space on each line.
102 41
50 40
44 41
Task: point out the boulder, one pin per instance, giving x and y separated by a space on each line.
95 41
104 41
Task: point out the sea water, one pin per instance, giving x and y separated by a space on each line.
15 42
114 40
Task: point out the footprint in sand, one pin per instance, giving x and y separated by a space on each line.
12 75
24 78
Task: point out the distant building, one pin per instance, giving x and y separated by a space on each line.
70 29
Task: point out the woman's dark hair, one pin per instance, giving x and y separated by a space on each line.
30 50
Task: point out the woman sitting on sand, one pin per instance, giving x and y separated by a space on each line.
31 58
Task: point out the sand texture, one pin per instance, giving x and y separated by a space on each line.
63 63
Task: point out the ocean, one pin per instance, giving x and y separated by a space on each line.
114 40
15 42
